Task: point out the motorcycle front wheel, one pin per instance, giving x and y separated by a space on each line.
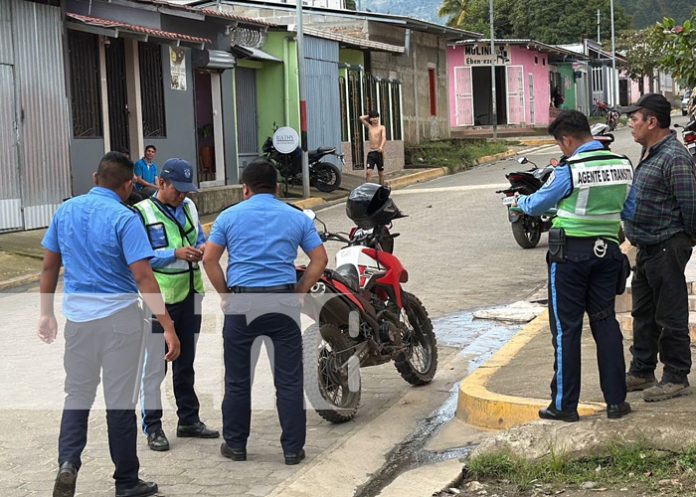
326 177
419 364
331 373
527 231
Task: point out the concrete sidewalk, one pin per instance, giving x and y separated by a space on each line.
507 392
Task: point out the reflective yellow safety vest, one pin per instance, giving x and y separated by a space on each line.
601 180
178 279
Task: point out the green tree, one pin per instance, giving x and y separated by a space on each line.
548 21
642 56
677 44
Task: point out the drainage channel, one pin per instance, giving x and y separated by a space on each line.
410 454
478 340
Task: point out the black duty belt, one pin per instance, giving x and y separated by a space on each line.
263 289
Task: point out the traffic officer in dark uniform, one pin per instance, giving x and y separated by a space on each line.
261 236
589 189
105 251
176 235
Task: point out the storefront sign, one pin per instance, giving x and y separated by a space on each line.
285 140
177 64
480 55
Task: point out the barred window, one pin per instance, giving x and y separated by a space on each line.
384 96
85 92
152 90
344 108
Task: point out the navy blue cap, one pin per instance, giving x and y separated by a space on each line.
180 174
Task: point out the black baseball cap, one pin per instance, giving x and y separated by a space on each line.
653 102
180 174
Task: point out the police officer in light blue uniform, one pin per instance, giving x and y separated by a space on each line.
262 235
589 189
105 251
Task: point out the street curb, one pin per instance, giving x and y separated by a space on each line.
480 407
418 177
537 143
495 157
19 281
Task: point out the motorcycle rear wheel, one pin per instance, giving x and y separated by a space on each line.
527 232
419 364
326 177
332 389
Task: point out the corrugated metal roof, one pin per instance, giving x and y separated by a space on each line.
403 21
349 40
208 11
234 17
157 33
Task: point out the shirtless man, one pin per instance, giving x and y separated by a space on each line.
378 137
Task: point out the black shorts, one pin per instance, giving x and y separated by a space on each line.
375 158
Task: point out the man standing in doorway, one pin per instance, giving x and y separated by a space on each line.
177 238
660 219
146 173
378 138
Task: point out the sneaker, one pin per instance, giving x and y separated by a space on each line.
666 390
634 382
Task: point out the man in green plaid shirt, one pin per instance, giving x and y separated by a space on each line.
660 219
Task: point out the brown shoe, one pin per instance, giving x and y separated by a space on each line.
635 383
666 390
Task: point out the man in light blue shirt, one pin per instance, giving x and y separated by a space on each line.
261 236
105 251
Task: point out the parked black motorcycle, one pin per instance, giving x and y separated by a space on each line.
689 136
324 176
527 229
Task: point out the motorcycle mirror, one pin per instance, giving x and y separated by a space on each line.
310 214
522 160
678 126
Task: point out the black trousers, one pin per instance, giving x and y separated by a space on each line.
241 334
585 283
110 346
661 310
187 323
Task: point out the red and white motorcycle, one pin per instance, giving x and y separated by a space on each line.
363 315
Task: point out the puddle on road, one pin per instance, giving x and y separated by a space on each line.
477 340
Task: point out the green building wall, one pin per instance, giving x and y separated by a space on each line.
569 85
277 92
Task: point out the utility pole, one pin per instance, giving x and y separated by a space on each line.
614 75
303 99
599 30
493 61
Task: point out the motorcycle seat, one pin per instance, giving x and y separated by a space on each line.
322 151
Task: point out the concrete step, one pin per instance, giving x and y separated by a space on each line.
626 324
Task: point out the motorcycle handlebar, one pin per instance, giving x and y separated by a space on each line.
336 237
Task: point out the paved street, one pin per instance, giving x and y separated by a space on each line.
460 253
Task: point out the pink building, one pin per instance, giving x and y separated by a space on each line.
523 81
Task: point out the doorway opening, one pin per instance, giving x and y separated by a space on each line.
205 127
117 95
483 89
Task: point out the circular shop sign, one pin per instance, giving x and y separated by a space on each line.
285 140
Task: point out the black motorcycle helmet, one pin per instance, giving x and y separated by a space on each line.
369 205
